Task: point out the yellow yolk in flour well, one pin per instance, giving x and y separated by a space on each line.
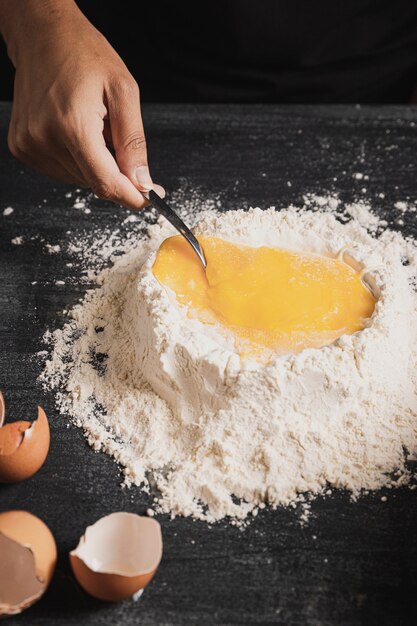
273 300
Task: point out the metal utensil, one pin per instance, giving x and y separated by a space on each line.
177 222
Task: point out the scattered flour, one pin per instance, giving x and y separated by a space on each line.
53 249
18 241
214 436
406 207
81 202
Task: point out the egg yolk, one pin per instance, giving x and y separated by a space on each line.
273 300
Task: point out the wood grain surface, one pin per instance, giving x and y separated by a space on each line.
354 562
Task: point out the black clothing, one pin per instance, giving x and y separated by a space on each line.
264 50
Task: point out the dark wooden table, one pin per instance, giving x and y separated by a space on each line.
355 562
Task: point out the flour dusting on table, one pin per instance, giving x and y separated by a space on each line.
215 436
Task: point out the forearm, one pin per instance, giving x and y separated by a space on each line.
19 19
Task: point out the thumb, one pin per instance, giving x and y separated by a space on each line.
128 135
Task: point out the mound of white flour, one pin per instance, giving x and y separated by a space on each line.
171 400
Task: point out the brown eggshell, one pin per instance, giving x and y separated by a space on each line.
117 556
19 584
23 448
31 532
109 587
2 409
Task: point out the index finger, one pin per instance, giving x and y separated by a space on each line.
99 168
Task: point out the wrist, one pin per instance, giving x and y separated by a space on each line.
23 20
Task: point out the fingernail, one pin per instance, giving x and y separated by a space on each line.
143 178
159 190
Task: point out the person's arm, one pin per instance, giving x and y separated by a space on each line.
73 97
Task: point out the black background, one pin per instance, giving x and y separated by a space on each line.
361 567
291 51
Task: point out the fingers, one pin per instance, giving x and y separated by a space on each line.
99 168
128 135
45 164
107 133
74 150
49 167
159 190
33 146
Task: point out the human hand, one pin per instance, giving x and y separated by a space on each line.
76 109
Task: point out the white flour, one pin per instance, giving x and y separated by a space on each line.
173 403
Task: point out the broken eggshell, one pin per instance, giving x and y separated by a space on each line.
117 556
28 559
23 447
2 409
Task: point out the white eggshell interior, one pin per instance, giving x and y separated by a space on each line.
121 543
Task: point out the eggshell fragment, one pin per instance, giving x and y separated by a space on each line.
2 409
23 448
19 585
117 556
30 531
28 558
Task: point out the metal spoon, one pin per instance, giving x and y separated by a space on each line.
177 222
